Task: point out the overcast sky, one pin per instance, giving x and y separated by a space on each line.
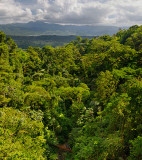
92 12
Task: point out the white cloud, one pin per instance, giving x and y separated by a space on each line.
11 12
74 12
124 9
96 12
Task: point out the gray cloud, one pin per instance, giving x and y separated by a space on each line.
93 12
27 2
11 12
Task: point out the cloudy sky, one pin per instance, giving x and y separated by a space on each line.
92 12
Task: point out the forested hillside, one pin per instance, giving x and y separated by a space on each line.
40 41
41 28
82 101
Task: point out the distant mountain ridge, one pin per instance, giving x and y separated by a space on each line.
41 28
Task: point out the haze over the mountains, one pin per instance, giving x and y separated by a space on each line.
41 28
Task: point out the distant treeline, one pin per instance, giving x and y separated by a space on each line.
39 41
41 28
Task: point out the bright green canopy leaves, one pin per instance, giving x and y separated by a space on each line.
86 95
21 136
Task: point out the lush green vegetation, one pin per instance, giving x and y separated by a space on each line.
40 41
86 94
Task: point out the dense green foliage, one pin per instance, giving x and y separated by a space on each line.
40 41
86 94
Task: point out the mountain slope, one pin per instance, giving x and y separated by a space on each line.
41 28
